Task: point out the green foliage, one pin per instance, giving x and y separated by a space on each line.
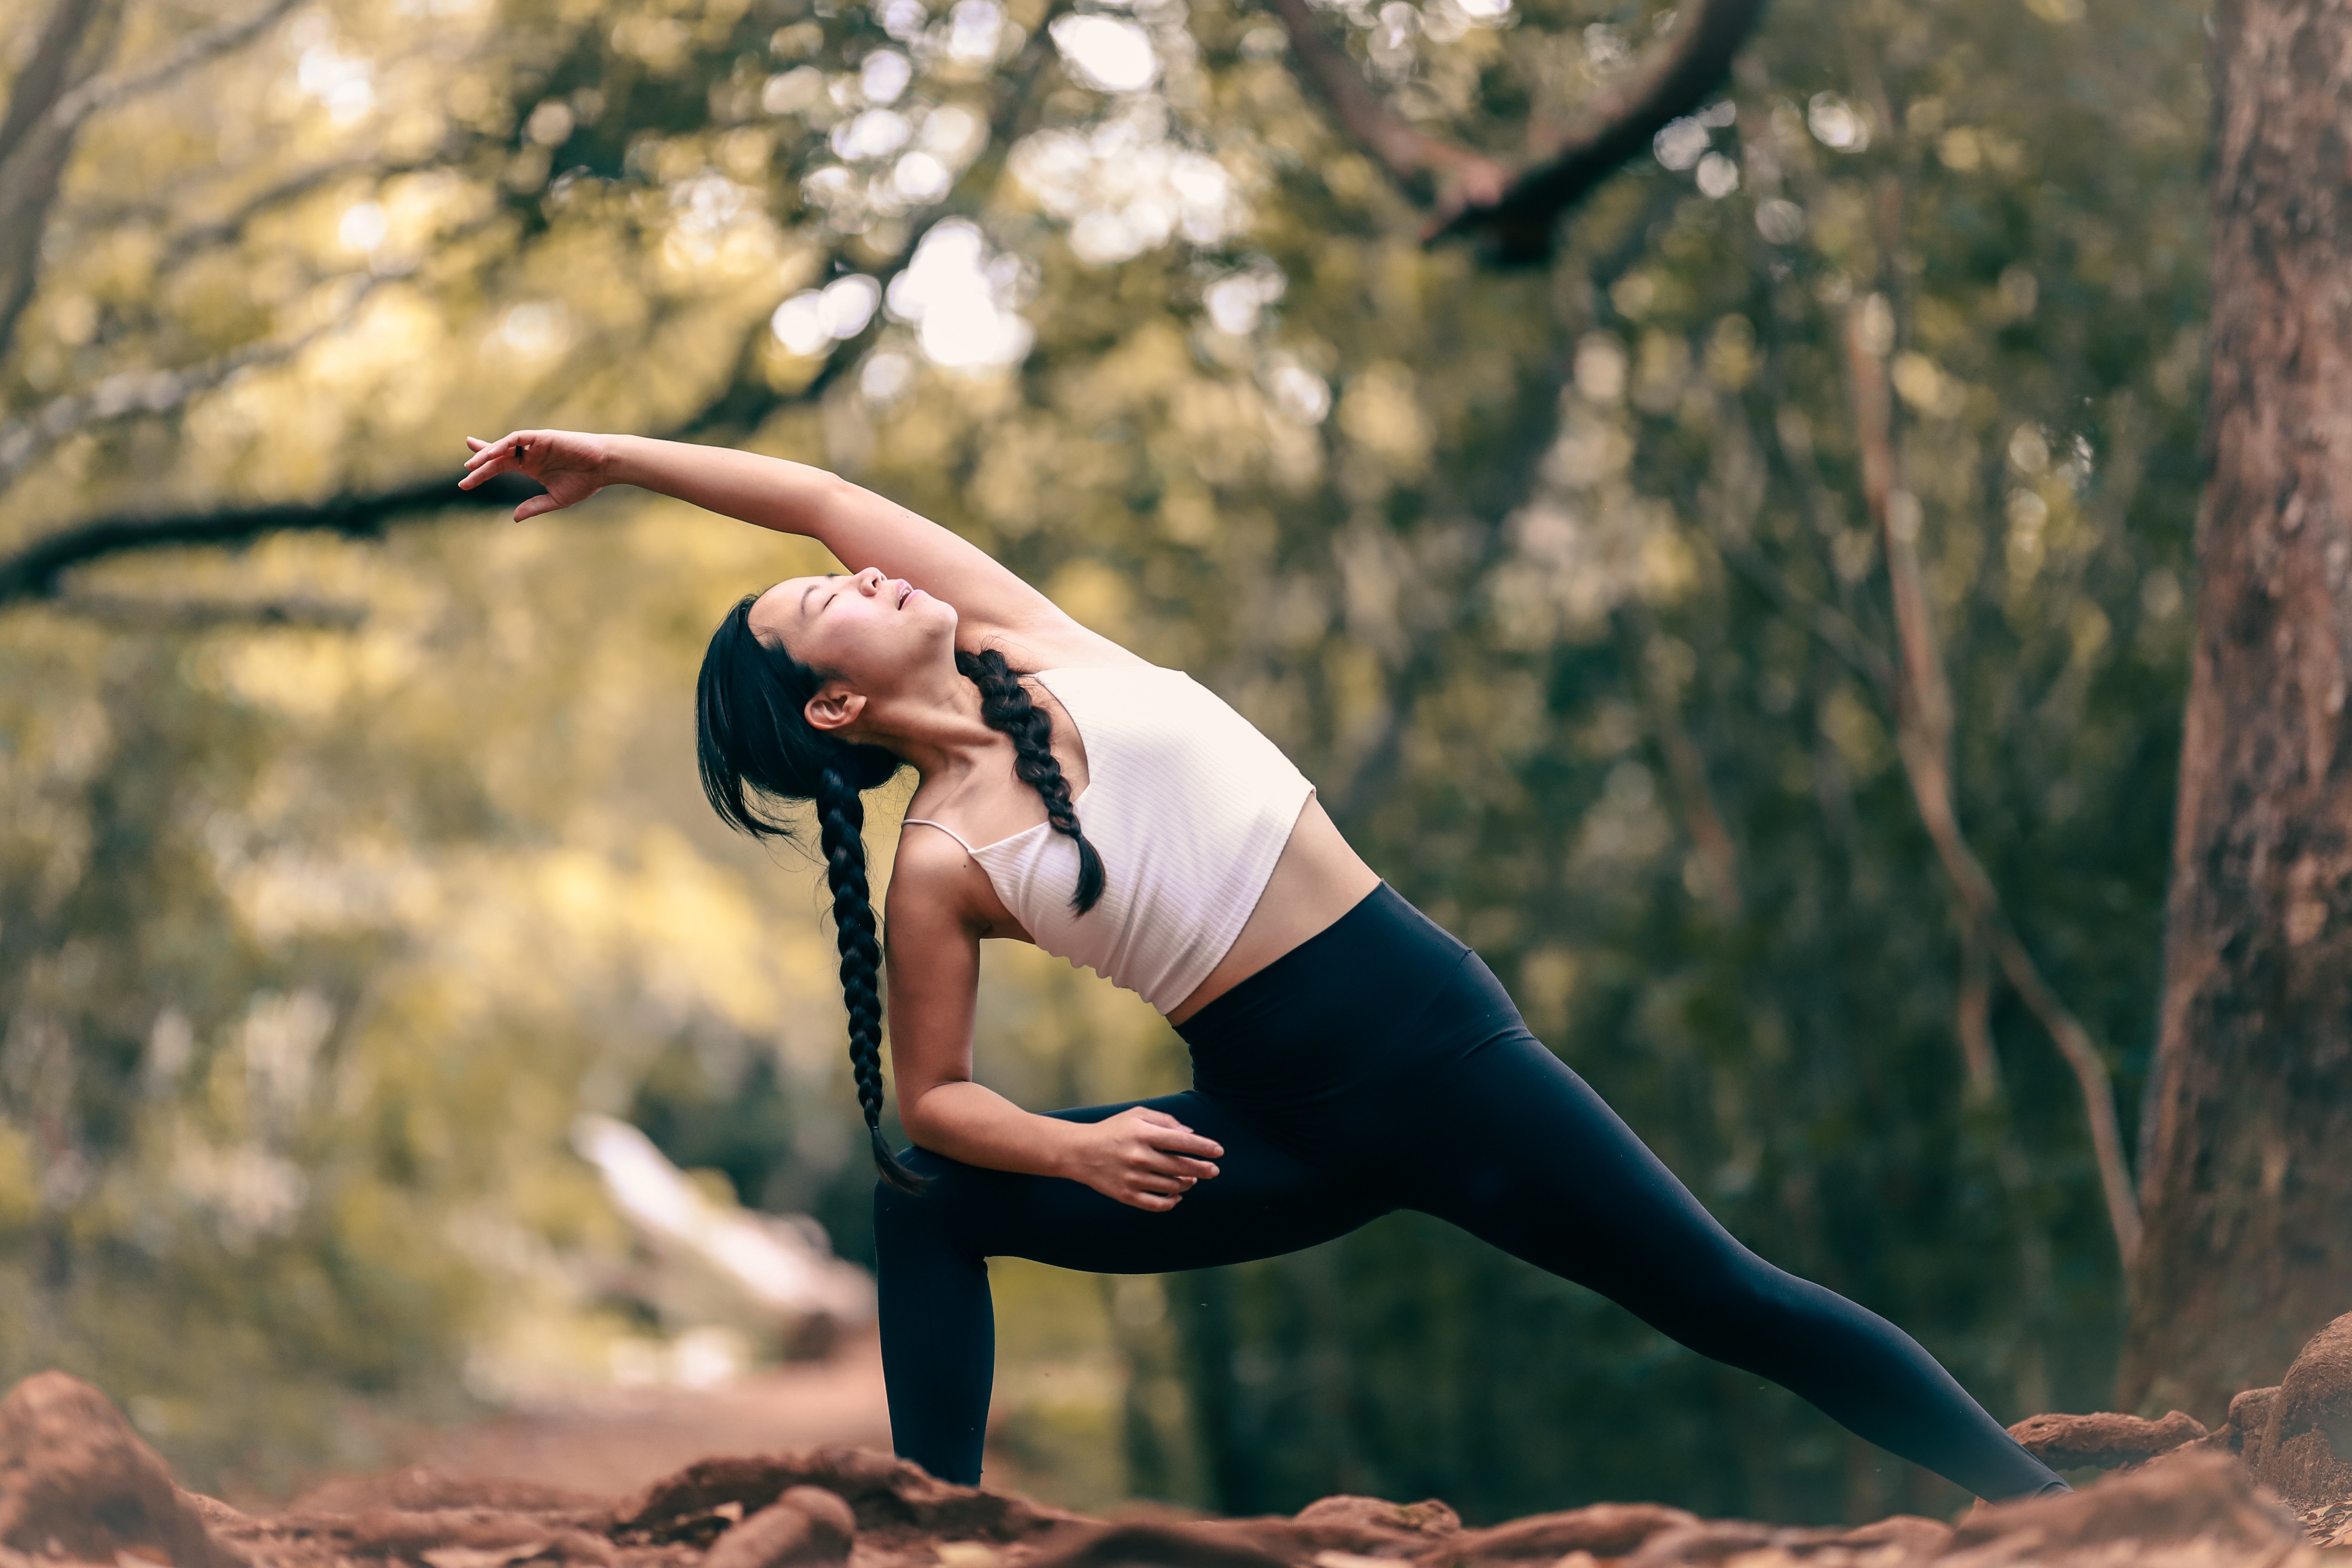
313 942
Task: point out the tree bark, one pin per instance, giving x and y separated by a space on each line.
2249 1166
35 142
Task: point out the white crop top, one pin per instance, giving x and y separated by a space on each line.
1189 807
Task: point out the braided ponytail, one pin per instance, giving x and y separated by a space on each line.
841 823
753 743
1007 708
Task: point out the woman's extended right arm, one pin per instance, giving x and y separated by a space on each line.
1141 1157
860 528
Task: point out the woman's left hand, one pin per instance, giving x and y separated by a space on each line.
573 467
1144 1158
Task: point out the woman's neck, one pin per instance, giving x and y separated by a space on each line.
936 729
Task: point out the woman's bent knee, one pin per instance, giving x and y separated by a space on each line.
924 1219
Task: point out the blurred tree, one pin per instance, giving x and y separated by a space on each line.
2249 1135
1572 588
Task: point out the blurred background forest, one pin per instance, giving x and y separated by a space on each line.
341 870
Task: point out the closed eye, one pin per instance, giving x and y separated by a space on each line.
806 610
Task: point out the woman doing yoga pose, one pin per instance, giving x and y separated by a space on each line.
1350 1056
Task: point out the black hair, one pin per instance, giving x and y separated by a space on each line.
757 749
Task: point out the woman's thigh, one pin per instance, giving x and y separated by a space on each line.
1520 1151
1264 1201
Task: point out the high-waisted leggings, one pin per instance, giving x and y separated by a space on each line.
1380 1065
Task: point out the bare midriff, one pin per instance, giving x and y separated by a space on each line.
1317 880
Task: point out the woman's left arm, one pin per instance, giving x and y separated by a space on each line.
862 529
1141 1157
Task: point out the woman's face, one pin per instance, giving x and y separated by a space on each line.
870 630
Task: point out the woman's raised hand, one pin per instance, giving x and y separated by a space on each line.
573 467
1142 1157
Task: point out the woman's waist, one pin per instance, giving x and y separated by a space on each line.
1316 882
1357 999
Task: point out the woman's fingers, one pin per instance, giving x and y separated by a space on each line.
1181 1139
1175 1165
510 447
1162 1130
488 463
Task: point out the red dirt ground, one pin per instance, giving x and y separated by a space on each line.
2266 1490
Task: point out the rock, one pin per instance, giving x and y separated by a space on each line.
441 1538
1339 1532
1915 1536
76 1481
418 1515
885 1494
1604 1530
2250 1417
1904 1541
1711 1542
2305 1451
1428 1517
417 1489
808 1527
2104 1439
2186 1510
1157 1546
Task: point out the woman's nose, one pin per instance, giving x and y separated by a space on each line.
870 581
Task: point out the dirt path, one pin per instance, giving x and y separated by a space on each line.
608 1441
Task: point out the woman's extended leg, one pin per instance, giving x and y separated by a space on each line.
938 1336
1509 1143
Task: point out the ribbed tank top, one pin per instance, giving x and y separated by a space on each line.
1188 805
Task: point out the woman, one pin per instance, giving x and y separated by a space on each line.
1350 1056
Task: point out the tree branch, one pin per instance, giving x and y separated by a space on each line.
1433 171
1923 731
49 75
46 113
137 613
34 148
159 391
34 572
1514 209
224 230
1719 856
103 92
1828 623
37 570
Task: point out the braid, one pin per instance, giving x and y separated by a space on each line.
1005 706
841 817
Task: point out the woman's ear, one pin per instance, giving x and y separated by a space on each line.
834 707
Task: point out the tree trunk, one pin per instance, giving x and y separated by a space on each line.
2248 1248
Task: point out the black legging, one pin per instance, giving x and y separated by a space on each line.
1380 1065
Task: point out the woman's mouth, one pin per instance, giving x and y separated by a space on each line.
904 591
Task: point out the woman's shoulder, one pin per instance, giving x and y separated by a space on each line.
933 864
940 892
